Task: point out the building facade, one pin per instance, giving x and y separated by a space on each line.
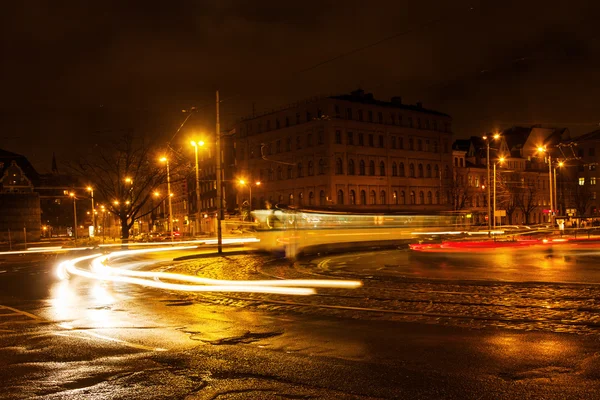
348 152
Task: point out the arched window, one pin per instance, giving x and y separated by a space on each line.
421 197
446 172
352 197
382 198
411 170
262 202
321 167
361 168
300 170
437 171
339 168
456 161
363 197
402 171
311 169
420 170
403 197
289 172
371 167
382 168
419 145
340 197
291 199
351 167
270 174
395 197
322 198
373 197
300 199
429 198
394 169
279 173
280 200
437 198
311 199
428 171
413 197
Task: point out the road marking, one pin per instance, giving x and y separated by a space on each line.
23 313
69 328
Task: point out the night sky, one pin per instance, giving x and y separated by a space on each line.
76 72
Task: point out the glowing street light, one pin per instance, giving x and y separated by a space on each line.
170 222
542 149
91 190
487 139
500 161
74 213
196 145
244 183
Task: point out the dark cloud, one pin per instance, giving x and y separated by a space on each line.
73 68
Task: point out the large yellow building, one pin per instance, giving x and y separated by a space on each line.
346 151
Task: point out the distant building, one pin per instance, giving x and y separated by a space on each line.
346 152
523 176
581 153
19 204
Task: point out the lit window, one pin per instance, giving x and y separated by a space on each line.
581 181
593 180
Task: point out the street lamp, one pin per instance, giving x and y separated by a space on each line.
560 165
244 183
197 144
74 213
543 150
91 190
500 161
487 161
170 222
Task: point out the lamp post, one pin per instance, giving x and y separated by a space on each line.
74 214
91 190
550 215
197 144
489 205
103 209
170 222
560 164
500 160
244 183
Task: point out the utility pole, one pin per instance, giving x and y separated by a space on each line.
219 183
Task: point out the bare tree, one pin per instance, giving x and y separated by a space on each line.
526 199
124 174
582 198
460 193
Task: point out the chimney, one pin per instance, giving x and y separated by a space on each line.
397 100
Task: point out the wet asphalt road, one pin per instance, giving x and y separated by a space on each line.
493 326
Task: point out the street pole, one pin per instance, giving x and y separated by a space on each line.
170 222
494 213
489 189
250 200
197 191
556 192
219 182
551 220
74 216
93 210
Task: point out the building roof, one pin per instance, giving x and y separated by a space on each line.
591 136
7 156
462 145
359 96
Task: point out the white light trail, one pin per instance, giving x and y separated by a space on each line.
101 271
